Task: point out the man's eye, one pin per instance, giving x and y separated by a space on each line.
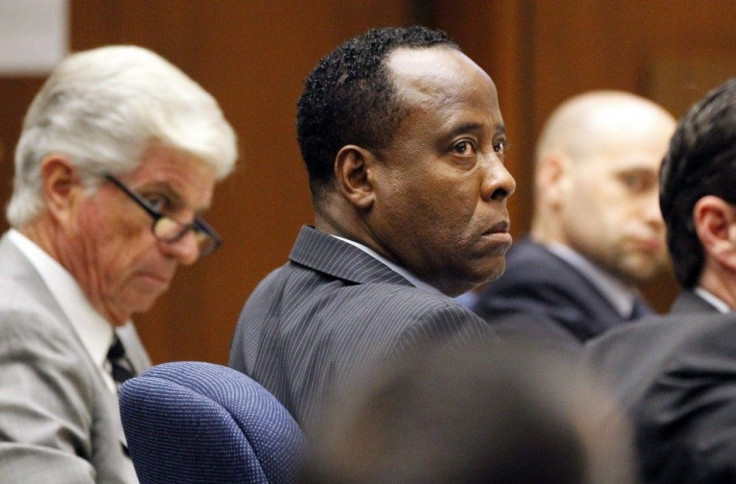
500 146
158 202
464 148
638 182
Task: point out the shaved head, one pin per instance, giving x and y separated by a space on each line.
596 182
588 123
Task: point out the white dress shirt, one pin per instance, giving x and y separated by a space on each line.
396 268
718 303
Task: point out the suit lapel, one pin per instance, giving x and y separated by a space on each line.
332 256
16 266
598 314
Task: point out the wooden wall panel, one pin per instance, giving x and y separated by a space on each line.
16 94
252 55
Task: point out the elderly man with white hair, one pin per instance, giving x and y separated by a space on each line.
118 157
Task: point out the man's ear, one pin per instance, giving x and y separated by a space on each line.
551 177
352 173
715 225
61 184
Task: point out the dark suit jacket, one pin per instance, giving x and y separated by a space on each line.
690 302
547 297
676 376
332 312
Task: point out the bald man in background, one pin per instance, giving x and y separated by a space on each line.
597 231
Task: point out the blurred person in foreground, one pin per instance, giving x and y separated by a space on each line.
508 413
596 232
676 375
404 145
118 156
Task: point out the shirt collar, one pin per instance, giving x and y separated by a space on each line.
620 295
713 300
396 268
91 327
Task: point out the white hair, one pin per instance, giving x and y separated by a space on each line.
103 108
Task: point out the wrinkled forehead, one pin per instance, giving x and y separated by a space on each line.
189 177
437 75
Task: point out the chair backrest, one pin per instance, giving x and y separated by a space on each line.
196 422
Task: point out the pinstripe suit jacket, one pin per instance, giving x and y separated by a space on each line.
332 312
58 420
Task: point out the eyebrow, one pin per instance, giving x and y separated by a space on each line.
633 168
165 189
465 127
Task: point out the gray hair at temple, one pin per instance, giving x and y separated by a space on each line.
103 108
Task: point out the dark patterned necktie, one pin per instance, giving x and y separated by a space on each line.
640 310
120 366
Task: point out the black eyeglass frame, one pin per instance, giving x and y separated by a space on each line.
198 225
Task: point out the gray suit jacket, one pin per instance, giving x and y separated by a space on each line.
332 312
58 421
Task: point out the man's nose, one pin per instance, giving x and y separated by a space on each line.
497 184
185 250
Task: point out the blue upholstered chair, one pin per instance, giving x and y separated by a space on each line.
195 422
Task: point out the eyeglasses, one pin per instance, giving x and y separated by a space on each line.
168 230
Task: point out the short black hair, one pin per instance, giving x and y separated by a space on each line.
701 161
349 98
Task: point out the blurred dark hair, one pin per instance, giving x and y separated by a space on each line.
473 414
701 160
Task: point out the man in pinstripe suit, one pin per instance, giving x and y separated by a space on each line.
404 145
